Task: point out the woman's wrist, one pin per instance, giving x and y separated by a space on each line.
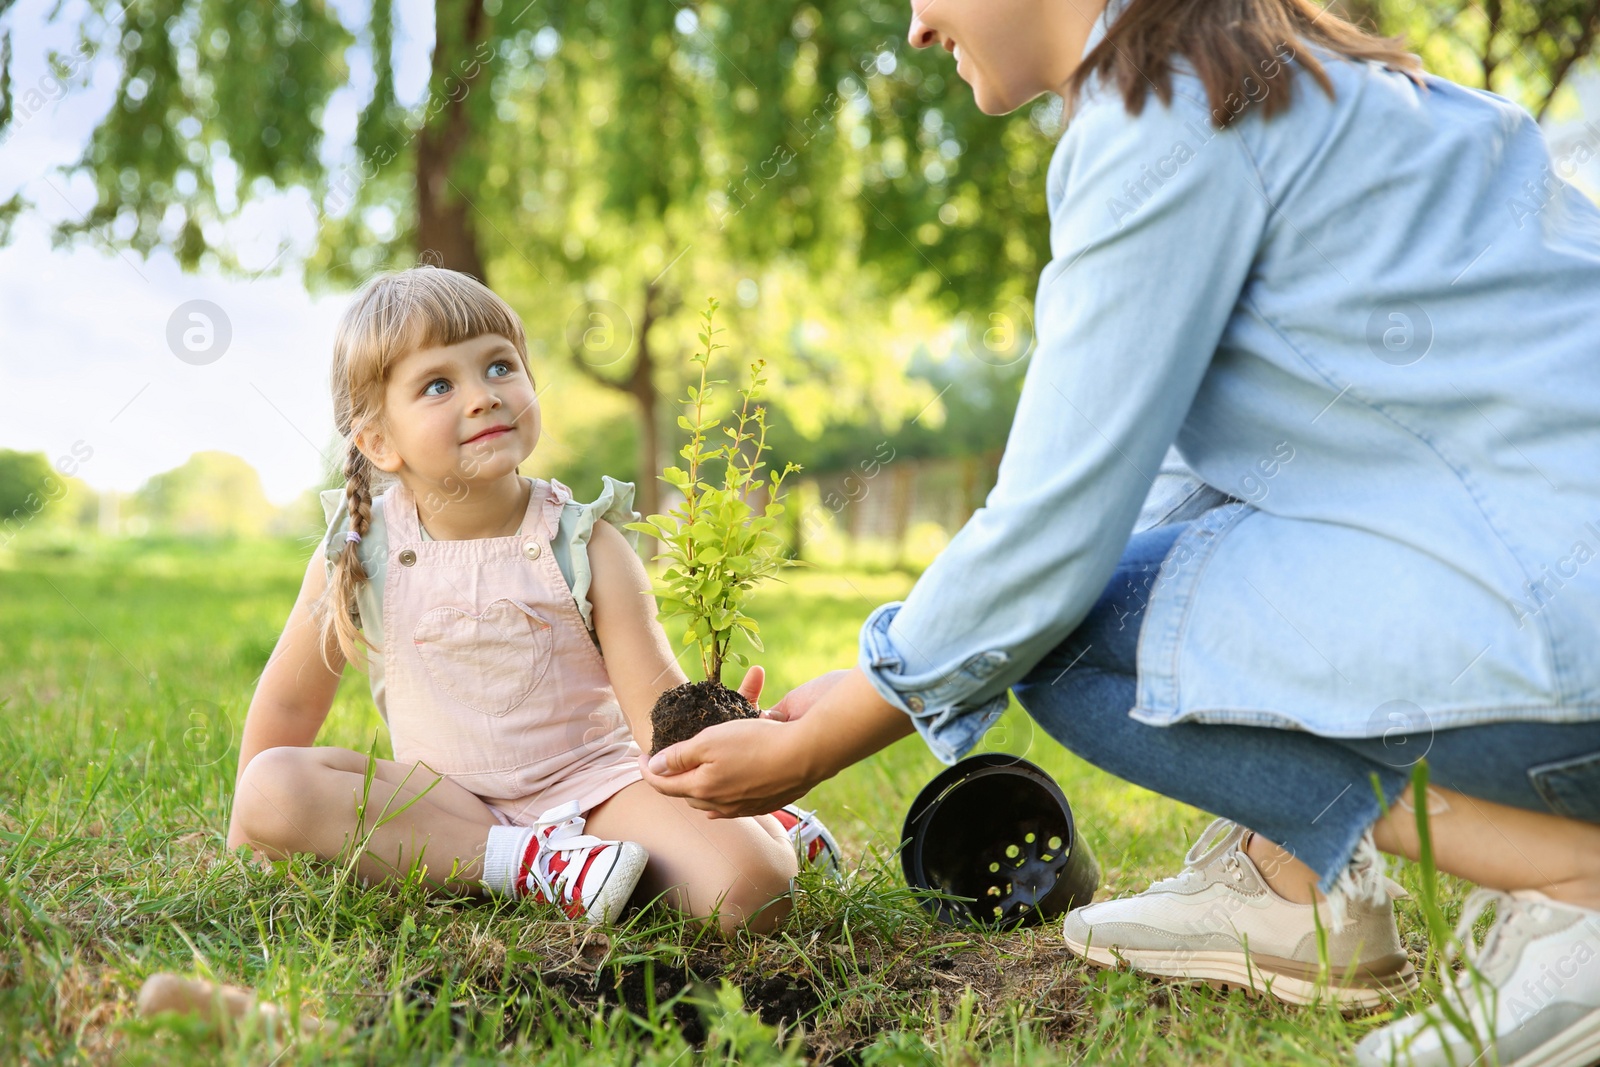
848 724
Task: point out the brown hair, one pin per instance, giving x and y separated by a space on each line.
1233 45
395 313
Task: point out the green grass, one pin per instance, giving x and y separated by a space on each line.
125 671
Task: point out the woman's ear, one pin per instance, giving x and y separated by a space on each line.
375 446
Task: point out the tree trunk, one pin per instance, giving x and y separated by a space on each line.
1579 52
1492 14
903 493
445 233
642 387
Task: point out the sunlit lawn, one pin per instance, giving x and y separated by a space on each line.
125 672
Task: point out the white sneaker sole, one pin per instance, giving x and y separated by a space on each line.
618 884
1233 970
1576 1046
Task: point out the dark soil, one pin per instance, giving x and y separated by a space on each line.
841 995
781 999
646 983
681 713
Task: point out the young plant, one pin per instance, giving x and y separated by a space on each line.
716 546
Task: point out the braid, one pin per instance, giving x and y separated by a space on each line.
358 494
348 571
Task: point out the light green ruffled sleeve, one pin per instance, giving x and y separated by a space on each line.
373 551
571 543
336 514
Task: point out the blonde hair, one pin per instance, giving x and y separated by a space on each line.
394 314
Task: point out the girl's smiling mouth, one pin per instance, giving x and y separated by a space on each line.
488 435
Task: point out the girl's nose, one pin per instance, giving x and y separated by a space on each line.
485 400
920 35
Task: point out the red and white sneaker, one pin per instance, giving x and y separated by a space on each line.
810 837
554 861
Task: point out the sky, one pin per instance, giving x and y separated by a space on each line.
86 365
108 355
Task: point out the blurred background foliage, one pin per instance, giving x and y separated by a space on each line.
607 164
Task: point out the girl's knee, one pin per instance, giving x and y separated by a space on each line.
760 917
278 794
758 898
773 828
295 762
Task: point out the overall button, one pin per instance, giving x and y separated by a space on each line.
531 549
407 557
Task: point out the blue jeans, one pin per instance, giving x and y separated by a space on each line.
1312 795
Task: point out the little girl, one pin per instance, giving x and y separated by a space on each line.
514 649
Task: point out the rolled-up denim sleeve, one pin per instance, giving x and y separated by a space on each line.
1155 220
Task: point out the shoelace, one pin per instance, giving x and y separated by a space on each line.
1477 902
1365 881
1508 914
1221 838
1468 987
560 830
805 830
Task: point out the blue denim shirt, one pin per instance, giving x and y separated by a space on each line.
1370 327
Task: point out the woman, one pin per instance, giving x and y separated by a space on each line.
1357 301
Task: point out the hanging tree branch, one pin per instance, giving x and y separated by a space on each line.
1581 48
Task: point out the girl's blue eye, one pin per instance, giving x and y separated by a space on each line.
428 389
503 363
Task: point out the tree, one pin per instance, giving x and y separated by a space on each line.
1525 49
594 133
24 481
210 493
36 493
575 154
218 102
788 127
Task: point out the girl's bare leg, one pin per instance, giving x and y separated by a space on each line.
738 868
305 800
1488 844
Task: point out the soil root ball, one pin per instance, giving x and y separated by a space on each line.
681 713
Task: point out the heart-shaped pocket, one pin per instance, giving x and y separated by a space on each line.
490 661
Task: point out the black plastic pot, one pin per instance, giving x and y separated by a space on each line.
997 829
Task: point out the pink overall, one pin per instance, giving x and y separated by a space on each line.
500 686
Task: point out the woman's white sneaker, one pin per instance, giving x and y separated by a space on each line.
1217 921
1529 997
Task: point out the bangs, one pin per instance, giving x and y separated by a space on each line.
422 307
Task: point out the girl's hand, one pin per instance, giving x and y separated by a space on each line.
801 698
755 766
754 679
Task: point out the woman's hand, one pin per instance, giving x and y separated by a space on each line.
755 766
743 767
801 698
